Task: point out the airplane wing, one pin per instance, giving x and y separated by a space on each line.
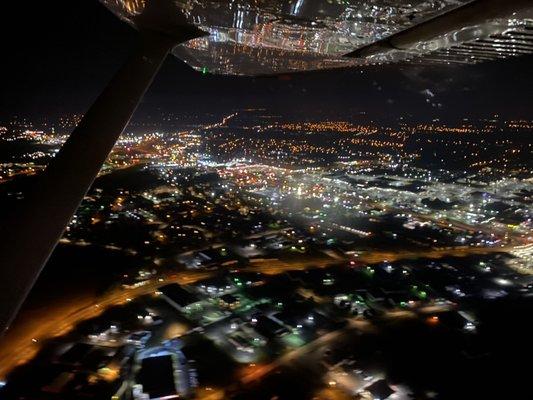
265 37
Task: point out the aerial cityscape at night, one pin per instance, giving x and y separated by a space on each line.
363 232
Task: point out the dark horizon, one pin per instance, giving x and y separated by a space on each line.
61 55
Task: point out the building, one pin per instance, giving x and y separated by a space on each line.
229 301
178 297
163 373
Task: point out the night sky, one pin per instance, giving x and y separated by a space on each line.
60 54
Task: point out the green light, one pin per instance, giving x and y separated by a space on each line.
204 71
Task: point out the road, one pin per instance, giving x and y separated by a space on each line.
374 257
256 372
18 345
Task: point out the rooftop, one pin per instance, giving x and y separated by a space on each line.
157 376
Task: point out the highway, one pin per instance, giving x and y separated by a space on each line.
23 340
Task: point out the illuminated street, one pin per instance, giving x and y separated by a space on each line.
266 200
60 321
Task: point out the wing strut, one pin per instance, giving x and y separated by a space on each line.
30 233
